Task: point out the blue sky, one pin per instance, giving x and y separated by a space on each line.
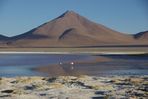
19 16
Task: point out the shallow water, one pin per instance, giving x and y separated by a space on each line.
21 64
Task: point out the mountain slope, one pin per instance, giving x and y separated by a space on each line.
142 38
3 38
142 35
68 30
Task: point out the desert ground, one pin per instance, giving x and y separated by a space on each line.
72 87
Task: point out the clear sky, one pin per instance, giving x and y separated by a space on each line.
19 16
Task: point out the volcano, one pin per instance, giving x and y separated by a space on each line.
71 30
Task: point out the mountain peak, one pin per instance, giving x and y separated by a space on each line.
68 13
70 30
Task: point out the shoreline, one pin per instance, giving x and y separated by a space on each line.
88 50
100 53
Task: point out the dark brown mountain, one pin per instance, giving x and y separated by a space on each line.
71 30
142 35
3 38
142 38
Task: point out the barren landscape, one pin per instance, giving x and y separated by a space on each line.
70 87
71 57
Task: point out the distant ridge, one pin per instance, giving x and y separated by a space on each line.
72 30
142 35
3 38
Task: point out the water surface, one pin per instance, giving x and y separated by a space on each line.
22 64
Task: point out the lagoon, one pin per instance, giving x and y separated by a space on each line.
12 65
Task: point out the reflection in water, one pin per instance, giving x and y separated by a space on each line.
22 64
38 59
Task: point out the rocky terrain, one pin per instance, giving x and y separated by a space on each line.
70 87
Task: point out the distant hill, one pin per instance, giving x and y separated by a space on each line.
71 30
142 35
142 38
3 38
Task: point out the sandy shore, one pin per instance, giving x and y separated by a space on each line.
70 87
84 52
81 50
